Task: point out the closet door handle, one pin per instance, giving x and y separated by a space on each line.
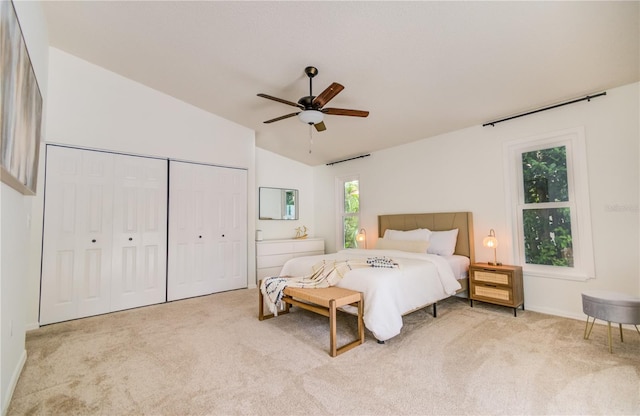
199 236
93 241
130 238
223 235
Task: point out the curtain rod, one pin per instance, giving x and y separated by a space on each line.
346 160
587 98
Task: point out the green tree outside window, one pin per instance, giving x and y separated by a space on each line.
546 223
351 213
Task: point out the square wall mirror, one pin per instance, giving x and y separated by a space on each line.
278 204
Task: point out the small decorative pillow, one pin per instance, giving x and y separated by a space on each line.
382 262
443 242
418 234
412 246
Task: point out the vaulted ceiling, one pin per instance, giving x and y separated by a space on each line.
420 68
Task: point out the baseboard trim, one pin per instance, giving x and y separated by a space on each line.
13 382
563 314
32 326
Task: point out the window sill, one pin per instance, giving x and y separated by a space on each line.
575 275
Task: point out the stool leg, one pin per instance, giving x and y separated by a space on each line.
610 349
637 329
621 340
587 334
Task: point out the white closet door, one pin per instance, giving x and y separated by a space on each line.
230 229
139 232
77 242
190 260
207 230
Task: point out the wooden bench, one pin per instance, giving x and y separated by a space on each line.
323 301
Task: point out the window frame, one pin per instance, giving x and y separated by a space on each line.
340 213
579 202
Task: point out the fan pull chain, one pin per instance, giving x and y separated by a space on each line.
310 137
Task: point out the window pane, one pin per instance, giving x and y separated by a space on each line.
350 232
547 236
351 197
545 175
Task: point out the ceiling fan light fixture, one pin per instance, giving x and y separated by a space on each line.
310 116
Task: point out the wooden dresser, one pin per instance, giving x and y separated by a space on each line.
501 285
271 255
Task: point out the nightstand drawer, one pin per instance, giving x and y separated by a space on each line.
493 293
491 277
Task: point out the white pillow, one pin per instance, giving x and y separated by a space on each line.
418 234
412 246
443 242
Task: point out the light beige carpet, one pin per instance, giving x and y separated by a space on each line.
211 355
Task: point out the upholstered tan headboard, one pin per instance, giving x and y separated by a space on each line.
440 221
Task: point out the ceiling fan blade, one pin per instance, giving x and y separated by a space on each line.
320 126
345 112
281 118
326 95
280 100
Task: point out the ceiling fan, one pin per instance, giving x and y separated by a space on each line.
312 111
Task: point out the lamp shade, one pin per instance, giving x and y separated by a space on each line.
490 242
310 116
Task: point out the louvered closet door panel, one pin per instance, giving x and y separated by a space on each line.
77 241
230 228
190 237
139 232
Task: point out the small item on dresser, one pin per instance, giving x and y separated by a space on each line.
301 232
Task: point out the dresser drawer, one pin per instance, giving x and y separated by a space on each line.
492 277
493 293
272 261
274 248
309 246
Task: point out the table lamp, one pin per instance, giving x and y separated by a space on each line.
491 241
361 237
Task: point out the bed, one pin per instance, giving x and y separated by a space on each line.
420 280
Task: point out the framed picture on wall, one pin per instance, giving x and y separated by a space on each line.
20 106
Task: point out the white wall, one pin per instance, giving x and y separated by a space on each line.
463 170
15 254
275 171
94 108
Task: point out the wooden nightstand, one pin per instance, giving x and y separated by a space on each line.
501 285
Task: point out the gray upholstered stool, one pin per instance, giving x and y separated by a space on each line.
610 307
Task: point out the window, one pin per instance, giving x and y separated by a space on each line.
348 203
548 195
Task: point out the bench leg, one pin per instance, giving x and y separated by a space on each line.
361 320
621 340
609 325
261 315
333 351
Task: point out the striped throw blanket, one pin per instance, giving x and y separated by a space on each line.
323 274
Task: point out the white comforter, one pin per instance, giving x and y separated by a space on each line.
421 279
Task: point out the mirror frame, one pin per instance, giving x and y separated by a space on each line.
265 203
